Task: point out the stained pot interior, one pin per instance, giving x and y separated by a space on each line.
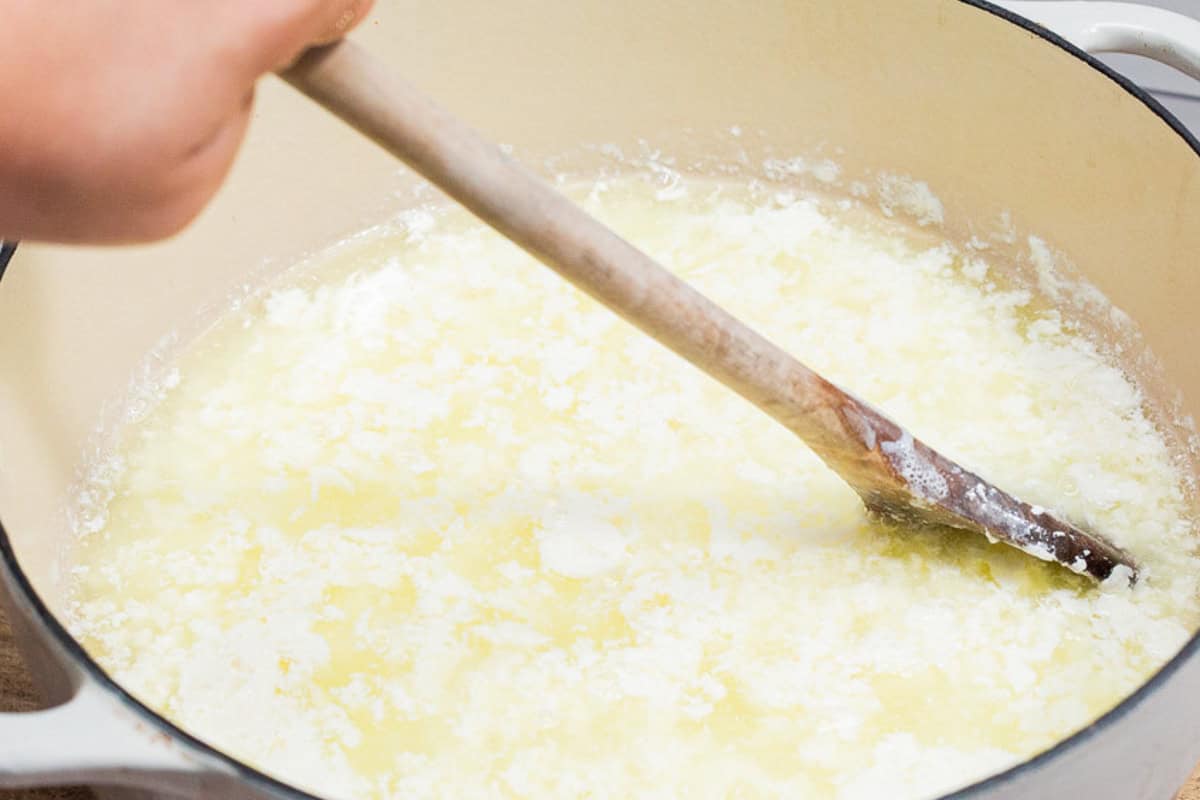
995 119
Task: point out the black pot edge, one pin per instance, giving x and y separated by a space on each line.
1192 648
6 253
67 644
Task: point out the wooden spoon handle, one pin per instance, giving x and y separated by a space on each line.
349 82
896 475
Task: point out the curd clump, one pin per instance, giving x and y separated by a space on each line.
428 522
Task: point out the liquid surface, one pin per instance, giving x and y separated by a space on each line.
430 523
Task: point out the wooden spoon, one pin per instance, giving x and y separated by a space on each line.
897 476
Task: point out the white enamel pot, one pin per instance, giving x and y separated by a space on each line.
1001 118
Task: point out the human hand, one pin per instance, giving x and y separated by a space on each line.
121 118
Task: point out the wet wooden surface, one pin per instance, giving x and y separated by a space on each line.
16 694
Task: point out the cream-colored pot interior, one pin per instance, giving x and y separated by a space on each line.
994 118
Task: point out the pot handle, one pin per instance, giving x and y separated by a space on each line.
94 739
1103 27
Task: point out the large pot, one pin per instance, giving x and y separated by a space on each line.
996 114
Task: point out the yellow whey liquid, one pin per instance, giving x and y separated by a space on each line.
427 522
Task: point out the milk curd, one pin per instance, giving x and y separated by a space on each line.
425 521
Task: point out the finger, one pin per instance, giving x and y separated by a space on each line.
181 192
349 13
273 33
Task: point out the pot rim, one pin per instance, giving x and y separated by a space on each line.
62 638
6 253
